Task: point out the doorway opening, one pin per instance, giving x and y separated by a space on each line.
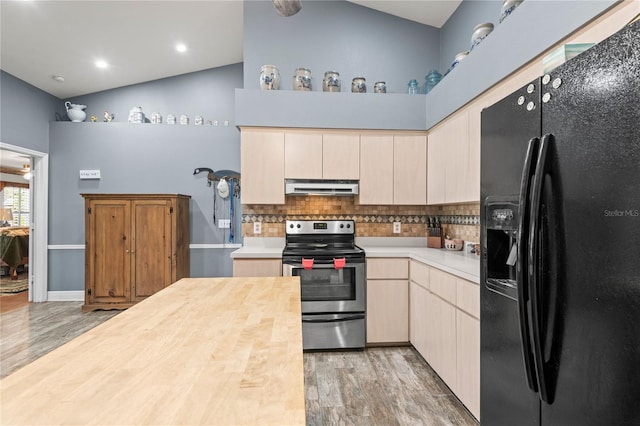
37 223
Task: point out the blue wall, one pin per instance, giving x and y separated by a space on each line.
337 35
455 34
146 158
25 112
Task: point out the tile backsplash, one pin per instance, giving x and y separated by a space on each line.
459 221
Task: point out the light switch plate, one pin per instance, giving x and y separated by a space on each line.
89 174
397 227
224 223
257 227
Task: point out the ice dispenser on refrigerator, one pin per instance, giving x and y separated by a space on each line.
501 244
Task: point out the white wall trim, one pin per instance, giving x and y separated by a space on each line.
191 246
66 296
214 246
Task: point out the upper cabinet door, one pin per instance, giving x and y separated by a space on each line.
376 169
410 169
341 156
436 165
303 155
455 157
262 166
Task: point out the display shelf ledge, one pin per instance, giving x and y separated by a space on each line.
344 110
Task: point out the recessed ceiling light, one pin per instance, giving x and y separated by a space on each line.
100 63
181 48
58 78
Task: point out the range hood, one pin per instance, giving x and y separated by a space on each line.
320 187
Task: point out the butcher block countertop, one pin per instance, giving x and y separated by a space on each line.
202 351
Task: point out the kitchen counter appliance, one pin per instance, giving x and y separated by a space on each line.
332 279
560 230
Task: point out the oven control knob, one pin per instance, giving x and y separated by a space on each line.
298 226
341 225
291 225
348 225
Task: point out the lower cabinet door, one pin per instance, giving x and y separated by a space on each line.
468 362
418 319
387 311
441 338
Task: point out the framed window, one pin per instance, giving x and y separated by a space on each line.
18 200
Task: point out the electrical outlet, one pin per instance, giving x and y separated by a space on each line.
397 227
226 123
257 227
224 223
215 122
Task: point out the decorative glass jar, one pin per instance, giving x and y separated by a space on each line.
412 87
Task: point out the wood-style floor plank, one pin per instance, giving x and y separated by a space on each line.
36 329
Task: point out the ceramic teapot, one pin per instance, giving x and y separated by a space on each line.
75 112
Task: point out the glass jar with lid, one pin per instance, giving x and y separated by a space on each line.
412 87
430 81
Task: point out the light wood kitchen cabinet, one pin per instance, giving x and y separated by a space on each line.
410 169
418 318
418 313
448 161
318 154
387 301
303 155
387 311
436 153
467 386
341 155
441 338
444 328
376 169
393 169
257 267
262 166
136 245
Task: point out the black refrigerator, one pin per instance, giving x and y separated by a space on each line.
560 236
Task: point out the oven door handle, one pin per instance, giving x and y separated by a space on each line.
336 319
316 265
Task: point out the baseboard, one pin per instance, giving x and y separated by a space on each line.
65 296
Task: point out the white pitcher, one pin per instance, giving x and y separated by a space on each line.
75 112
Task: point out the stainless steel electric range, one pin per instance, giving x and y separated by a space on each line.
332 279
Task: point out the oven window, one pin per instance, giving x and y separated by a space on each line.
326 284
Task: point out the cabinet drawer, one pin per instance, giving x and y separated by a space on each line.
443 284
468 297
419 273
388 268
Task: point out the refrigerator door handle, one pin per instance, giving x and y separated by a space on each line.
535 285
522 263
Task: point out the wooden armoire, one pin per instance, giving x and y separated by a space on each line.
136 245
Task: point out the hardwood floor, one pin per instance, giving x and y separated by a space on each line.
35 329
10 302
377 386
